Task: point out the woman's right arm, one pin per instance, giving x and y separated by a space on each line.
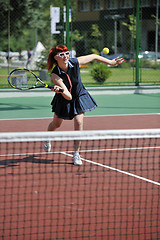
59 82
91 57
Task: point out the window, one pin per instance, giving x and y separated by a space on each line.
97 5
155 2
111 4
83 5
126 3
145 3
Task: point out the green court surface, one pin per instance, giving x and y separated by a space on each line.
39 107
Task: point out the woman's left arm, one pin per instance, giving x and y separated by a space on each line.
89 58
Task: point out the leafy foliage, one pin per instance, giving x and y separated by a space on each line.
131 25
95 31
21 20
18 18
100 72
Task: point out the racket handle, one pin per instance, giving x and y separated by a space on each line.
60 90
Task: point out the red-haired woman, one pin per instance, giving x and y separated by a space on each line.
75 100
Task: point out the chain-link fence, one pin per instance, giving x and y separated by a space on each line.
128 28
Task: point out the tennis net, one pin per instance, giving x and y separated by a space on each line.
115 194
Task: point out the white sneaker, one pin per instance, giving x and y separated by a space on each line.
47 146
77 159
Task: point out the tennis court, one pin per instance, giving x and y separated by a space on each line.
123 111
113 195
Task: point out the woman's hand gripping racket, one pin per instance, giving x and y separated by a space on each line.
24 79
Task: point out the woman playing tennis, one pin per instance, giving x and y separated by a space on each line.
75 100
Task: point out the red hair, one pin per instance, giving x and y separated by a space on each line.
53 52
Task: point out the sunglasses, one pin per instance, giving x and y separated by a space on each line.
62 54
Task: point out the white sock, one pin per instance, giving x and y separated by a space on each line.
76 153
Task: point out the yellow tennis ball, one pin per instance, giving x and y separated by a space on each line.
105 50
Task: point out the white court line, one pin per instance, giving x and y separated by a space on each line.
116 169
29 154
116 149
95 163
86 116
81 151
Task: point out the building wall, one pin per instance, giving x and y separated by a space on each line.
105 19
87 16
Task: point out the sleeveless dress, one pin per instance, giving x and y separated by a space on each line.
81 101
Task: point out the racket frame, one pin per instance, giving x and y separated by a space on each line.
35 86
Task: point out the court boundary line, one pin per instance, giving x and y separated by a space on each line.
96 163
117 170
81 151
111 115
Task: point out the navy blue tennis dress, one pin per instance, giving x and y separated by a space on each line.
81 101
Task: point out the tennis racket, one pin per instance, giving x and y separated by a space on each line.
24 79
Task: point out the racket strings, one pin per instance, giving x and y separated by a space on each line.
23 79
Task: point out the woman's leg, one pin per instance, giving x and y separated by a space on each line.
78 126
56 123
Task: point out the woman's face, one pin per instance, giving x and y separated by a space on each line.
62 57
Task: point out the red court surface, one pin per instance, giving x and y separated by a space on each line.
45 197
90 123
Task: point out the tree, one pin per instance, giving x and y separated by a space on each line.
26 16
131 25
132 28
95 31
16 16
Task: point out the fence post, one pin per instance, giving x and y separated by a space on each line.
137 43
9 34
67 23
156 38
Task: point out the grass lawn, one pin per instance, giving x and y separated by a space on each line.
123 76
120 76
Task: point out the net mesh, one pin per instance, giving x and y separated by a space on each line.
113 195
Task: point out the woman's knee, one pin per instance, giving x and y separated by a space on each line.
56 123
78 122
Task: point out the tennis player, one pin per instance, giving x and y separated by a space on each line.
75 100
